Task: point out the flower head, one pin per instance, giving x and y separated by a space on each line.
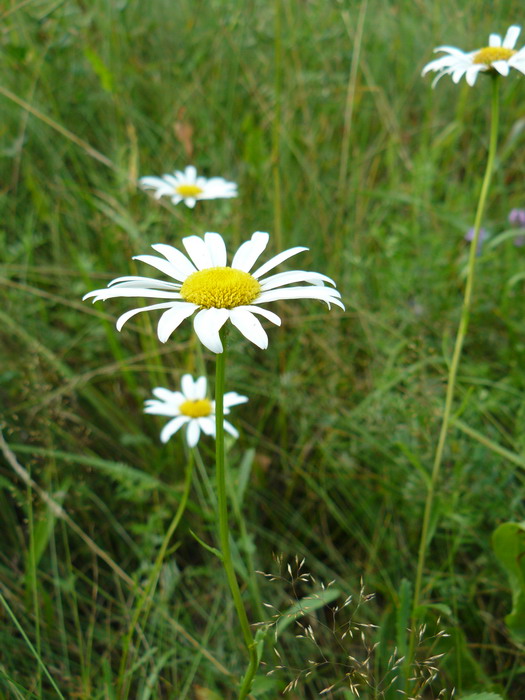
188 187
192 408
204 284
517 218
498 57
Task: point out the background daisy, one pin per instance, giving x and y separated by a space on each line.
188 187
190 407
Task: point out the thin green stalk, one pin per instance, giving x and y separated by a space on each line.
453 369
148 590
224 530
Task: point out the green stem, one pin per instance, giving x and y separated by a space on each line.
224 531
453 369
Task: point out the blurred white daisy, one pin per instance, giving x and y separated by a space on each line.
188 187
205 285
499 56
192 408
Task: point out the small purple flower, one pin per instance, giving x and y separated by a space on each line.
483 235
517 219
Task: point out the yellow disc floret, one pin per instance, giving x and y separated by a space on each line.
189 190
490 54
196 408
220 288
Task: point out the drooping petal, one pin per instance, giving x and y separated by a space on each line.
198 252
294 276
193 433
125 291
232 398
268 315
121 320
171 319
326 294
190 202
216 249
228 427
207 325
179 261
277 260
249 326
247 254
171 427
502 67
207 425
511 37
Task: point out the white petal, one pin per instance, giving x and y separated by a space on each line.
458 74
121 320
188 387
294 276
502 67
216 249
232 398
495 40
179 261
125 291
230 429
171 319
193 433
190 202
190 174
471 75
511 37
144 282
207 425
245 257
198 252
277 260
326 294
268 315
171 428
160 408
249 326
207 325
163 265
200 388
166 395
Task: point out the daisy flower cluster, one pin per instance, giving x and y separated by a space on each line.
200 282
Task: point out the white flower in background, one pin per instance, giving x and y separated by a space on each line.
188 187
499 56
205 285
192 408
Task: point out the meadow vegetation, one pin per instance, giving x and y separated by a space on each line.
319 113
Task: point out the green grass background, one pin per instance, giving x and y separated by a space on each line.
318 111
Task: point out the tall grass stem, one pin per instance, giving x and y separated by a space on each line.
456 357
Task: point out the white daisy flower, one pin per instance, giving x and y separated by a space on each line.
205 285
499 56
192 408
188 187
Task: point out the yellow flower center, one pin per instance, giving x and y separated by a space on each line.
196 408
220 288
493 53
189 190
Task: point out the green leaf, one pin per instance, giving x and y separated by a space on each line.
207 547
403 616
508 542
